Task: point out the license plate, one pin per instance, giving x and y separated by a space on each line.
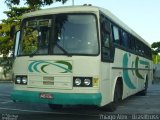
46 95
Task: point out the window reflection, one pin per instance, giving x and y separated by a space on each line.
77 34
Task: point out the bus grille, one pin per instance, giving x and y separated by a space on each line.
51 82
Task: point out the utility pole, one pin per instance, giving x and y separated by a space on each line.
72 2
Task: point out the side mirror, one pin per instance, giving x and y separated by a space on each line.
16 43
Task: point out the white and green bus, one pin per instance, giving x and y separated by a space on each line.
79 55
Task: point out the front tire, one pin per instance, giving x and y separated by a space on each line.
111 107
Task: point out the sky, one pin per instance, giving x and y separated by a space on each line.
143 16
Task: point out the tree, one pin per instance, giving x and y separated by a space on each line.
14 18
155 47
155 50
33 3
6 41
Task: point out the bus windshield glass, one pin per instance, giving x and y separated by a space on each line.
62 34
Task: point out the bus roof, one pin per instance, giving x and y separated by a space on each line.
86 9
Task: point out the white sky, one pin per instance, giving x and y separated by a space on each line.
143 16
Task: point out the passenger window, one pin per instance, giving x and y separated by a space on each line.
106 45
132 43
105 38
105 34
124 39
116 35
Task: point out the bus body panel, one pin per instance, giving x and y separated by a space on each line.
56 81
133 69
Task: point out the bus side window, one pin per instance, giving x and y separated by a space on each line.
147 52
125 40
142 48
132 43
116 36
136 45
105 38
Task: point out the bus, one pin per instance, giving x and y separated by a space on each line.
79 55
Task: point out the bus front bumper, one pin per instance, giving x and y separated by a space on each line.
58 98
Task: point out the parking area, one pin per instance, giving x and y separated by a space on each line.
149 104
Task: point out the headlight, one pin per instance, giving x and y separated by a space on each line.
87 82
82 82
18 80
22 80
78 81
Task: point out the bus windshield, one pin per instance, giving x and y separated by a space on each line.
62 34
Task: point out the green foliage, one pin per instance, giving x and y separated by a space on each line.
6 63
156 59
6 42
155 50
33 3
14 18
30 40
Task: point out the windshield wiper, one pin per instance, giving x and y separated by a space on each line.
65 52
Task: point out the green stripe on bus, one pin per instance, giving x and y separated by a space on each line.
58 98
137 71
35 64
126 77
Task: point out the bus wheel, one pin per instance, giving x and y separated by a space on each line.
111 107
54 106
